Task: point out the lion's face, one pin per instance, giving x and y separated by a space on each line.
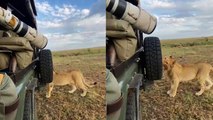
168 63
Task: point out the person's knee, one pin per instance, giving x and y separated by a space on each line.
113 97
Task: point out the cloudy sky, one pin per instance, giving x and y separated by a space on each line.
181 18
72 24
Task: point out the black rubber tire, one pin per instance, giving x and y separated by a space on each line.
153 58
29 107
45 66
131 110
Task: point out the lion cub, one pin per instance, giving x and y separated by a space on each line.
179 73
73 78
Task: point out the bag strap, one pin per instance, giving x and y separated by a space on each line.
115 106
12 107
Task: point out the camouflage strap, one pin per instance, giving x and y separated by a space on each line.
12 107
115 106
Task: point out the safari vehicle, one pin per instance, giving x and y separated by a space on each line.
144 66
136 73
38 72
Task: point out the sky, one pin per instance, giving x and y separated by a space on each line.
181 18
71 24
75 24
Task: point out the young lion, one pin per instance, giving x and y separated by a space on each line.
73 78
179 73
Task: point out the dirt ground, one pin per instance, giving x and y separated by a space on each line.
65 106
157 105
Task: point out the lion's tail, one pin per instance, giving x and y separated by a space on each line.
83 78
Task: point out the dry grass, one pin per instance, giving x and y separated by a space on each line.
65 106
157 105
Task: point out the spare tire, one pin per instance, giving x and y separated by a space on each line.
152 58
45 66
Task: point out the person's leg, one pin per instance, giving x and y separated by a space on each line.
8 96
113 95
4 61
24 58
125 47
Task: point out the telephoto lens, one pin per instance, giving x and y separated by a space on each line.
11 22
135 15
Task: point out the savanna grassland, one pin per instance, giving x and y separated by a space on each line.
157 105
66 106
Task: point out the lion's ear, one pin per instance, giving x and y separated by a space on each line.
173 61
164 59
165 62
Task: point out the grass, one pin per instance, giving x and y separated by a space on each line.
65 106
157 105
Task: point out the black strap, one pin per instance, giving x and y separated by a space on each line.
120 69
20 74
115 106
